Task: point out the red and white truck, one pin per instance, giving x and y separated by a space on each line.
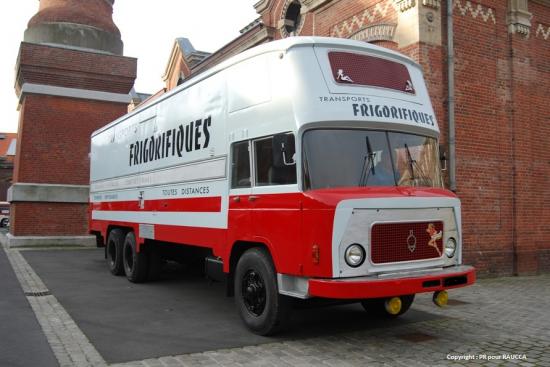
302 168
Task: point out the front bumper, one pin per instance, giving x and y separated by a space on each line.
397 284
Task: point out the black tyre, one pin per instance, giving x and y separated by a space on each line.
4 222
263 310
113 251
376 306
135 263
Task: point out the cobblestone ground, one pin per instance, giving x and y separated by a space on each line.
497 322
503 321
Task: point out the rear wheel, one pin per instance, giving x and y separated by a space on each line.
113 250
135 263
377 306
263 310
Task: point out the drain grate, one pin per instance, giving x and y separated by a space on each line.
456 302
37 294
416 337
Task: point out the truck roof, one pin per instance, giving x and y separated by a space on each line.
274 46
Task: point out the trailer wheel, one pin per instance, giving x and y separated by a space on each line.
263 310
376 306
113 251
135 264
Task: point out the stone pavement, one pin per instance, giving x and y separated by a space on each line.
503 321
22 342
497 322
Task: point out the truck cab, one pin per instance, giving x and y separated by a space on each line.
346 190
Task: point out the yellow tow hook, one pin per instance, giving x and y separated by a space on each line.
441 298
393 305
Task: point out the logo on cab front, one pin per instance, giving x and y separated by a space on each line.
411 241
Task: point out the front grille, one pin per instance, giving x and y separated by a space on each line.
395 242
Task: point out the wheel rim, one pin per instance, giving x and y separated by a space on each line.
129 257
253 292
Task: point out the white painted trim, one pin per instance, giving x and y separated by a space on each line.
51 193
187 219
49 241
293 286
193 172
345 208
51 90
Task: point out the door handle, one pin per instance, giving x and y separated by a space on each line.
253 198
237 199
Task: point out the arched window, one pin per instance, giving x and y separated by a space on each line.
291 18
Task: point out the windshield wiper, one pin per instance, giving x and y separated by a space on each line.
368 164
411 161
412 164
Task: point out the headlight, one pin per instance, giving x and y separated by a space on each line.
450 247
354 255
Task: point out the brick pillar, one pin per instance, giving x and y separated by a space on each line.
68 86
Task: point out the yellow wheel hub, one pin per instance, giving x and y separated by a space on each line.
441 298
393 305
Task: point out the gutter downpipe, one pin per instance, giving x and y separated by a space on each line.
451 96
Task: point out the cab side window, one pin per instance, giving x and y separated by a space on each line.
270 169
240 165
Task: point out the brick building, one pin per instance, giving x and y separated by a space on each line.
500 156
491 86
71 79
8 144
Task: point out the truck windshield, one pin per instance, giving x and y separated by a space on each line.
353 157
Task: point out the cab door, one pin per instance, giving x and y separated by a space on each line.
276 203
240 193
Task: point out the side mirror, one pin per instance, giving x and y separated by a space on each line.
283 150
442 158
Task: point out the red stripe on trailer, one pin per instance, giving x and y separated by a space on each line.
179 235
207 204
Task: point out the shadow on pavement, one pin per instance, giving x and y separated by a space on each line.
182 313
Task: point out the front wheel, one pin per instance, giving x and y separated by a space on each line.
377 306
263 310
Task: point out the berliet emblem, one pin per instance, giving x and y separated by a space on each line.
411 241
343 77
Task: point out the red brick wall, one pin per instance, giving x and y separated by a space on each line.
502 121
54 132
95 13
55 138
531 90
483 136
49 219
39 64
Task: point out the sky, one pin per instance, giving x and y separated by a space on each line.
148 31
